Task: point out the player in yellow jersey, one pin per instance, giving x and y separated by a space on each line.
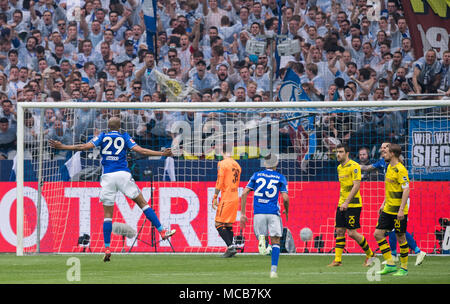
394 211
227 183
349 207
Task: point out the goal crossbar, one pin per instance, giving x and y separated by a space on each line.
240 105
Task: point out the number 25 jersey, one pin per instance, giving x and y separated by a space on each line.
113 149
267 185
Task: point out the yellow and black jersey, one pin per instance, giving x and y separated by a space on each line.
349 173
395 181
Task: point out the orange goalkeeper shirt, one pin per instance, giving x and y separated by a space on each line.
228 178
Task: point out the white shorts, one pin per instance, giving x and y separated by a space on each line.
117 181
267 225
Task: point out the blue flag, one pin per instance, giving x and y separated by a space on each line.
149 9
301 131
280 20
291 88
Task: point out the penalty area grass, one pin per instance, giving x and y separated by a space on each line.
209 269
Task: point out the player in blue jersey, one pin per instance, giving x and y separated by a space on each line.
267 185
116 176
382 166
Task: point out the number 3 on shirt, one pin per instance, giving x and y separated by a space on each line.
271 189
235 175
118 143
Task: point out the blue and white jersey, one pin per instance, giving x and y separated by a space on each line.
114 147
267 185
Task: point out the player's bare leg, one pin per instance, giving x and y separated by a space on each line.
150 214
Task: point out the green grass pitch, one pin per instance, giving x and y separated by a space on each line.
208 269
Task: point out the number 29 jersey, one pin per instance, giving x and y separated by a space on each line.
113 149
267 186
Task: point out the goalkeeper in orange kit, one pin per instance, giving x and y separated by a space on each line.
228 178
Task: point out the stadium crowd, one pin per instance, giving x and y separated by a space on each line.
52 51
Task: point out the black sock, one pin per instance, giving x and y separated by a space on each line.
230 233
225 235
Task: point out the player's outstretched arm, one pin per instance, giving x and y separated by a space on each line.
285 197
368 168
80 147
148 152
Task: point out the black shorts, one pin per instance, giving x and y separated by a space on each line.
388 222
348 218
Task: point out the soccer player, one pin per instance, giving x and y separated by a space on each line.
381 164
267 184
227 183
394 211
349 207
116 176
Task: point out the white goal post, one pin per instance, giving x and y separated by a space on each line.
281 107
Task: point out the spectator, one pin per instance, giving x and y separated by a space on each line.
129 53
212 13
88 74
7 111
407 51
157 130
445 81
131 120
7 139
244 74
427 73
224 91
394 93
202 79
88 54
364 160
239 95
261 77
369 59
332 94
316 81
58 131
31 131
223 75
401 31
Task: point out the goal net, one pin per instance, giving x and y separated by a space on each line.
58 191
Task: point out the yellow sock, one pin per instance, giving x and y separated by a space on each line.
404 250
340 245
386 251
365 246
